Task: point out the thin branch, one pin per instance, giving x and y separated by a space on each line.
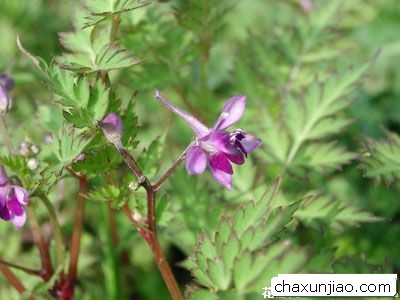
47 268
56 229
171 170
151 235
76 235
26 270
15 282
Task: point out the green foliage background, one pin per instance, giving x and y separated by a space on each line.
323 90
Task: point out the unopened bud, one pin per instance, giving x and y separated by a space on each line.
6 82
5 101
24 149
35 149
33 164
48 138
112 128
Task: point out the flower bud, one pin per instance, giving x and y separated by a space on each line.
6 82
48 138
33 164
24 149
5 101
112 128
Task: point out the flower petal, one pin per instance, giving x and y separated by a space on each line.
236 159
222 178
250 142
14 206
196 160
220 161
231 113
19 221
199 128
21 195
4 213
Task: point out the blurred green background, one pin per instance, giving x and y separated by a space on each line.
200 53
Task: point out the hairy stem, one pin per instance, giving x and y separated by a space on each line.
76 235
151 235
114 27
47 268
26 270
56 229
171 170
15 282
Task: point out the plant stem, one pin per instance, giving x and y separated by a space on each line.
6 135
26 270
151 235
56 229
15 282
47 268
171 170
114 27
76 236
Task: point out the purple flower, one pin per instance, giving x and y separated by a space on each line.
112 128
216 147
6 84
12 200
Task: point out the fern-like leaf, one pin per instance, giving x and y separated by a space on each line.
381 159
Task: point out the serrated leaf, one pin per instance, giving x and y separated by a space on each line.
230 251
333 213
381 159
113 57
313 115
99 11
323 157
82 103
217 274
106 193
66 147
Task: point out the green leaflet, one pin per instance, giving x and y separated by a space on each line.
66 147
319 212
101 10
221 258
381 159
82 103
90 50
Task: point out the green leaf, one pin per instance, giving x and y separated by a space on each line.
66 147
99 11
82 103
319 212
18 164
90 50
105 193
306 117
223 255
381 159
149 160
113 57
323 157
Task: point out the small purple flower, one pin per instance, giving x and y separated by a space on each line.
6 84
112 128
215 146
12 200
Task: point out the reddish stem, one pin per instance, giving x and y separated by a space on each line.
151 235
12 279
47 268
67 290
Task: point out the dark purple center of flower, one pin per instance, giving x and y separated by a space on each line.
235 138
